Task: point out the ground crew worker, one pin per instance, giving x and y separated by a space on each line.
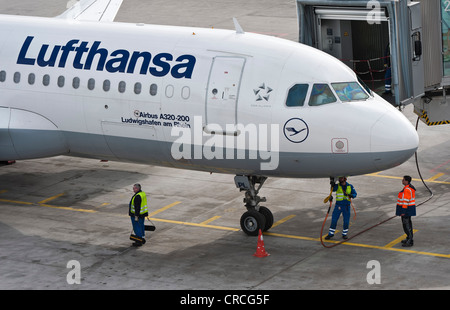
344 192
138 211
406 207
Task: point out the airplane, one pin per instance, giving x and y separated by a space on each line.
219 101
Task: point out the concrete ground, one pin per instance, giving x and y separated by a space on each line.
58 212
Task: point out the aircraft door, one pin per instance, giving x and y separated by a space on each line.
223 91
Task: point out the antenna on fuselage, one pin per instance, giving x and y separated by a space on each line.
238 27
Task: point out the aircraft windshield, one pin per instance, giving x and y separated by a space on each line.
321 94
349 91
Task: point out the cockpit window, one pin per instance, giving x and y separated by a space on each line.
321 94
349 91
297 95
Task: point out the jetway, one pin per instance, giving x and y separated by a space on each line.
411 38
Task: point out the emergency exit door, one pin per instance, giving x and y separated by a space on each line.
223 91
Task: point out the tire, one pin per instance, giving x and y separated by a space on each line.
268 216
252 222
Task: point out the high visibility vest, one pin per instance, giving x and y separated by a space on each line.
340 193
407 197
144 208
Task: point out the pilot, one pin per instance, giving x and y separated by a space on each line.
344 193
406 207
138 211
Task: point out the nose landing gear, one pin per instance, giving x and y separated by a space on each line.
257 217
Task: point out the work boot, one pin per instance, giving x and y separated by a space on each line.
328 237
137 244
408 243
344 237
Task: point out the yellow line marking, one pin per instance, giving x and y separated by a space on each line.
435 177
290 236
399 239
164 208
287 218
67 208
210 220
3 191
195 224
46 205
15 201
236 229
400 178
51 198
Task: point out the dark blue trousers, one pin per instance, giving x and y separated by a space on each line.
345 210
138 227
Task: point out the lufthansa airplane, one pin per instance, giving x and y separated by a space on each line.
213 100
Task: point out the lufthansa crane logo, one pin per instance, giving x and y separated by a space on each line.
296 130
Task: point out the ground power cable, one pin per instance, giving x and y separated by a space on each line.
382 222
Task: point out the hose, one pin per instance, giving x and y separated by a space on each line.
382 222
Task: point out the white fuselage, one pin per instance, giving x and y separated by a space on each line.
203 99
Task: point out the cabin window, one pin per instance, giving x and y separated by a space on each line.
122 87
297 95
321 94
169 91
61 81
2 76
153 89
185 92
137 88
350 91
76 82
46 80
91 84
106 85
17 77
31 78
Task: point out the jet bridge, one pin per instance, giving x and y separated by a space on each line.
412 38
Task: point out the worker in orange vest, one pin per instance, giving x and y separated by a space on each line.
406 207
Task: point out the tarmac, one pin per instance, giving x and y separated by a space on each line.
64 221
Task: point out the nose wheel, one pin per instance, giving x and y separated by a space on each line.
257 217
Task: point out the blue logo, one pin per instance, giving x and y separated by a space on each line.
296 130
85 56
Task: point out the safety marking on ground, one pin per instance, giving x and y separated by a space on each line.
195 224
440 166
392 249
67 208
287 218
237 229
437 176
431 180
47 205
3 191
398 240
51 198
164 208
210 220
18 202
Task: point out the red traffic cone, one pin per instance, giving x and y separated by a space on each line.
260 250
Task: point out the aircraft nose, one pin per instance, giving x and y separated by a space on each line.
393 140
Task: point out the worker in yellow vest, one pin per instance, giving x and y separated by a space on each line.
138 211
344 193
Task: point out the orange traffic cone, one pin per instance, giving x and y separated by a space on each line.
260 250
